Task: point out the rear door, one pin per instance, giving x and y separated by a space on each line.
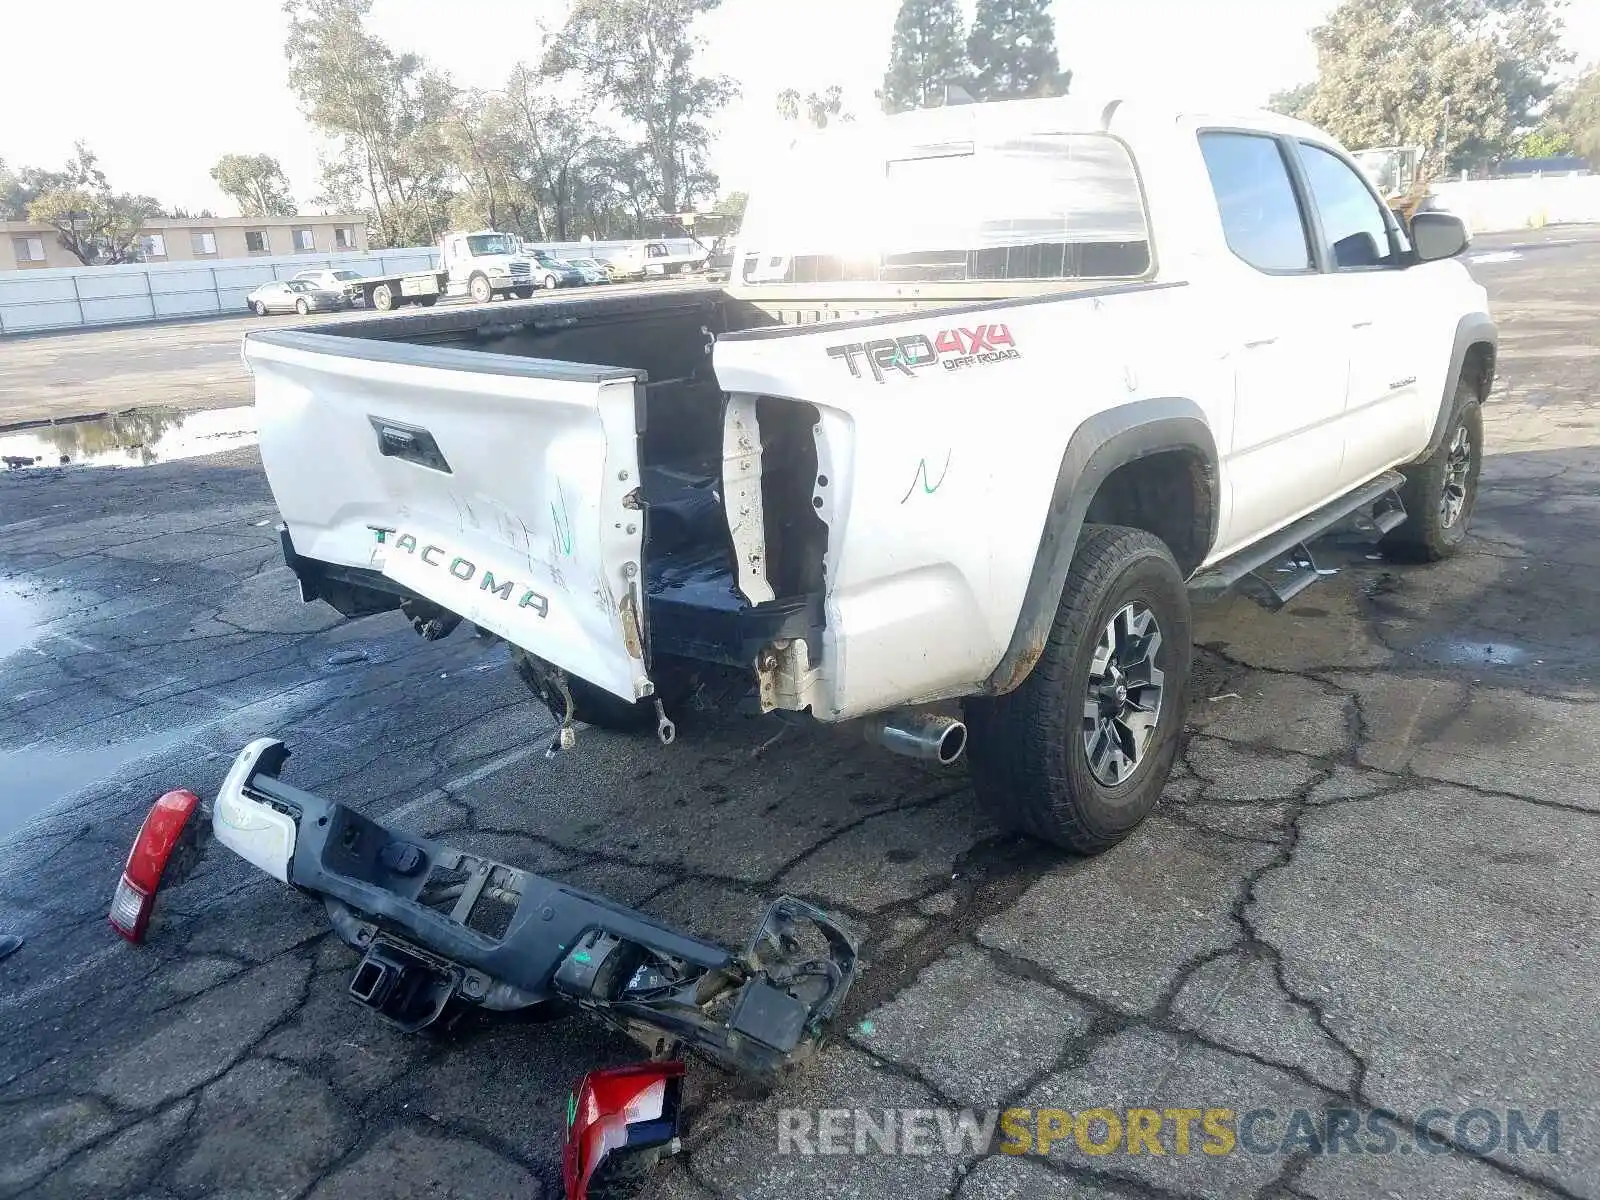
1380 302
502 489
1287 339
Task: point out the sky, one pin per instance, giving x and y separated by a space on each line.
203 78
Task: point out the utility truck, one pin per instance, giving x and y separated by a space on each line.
992 393
485 264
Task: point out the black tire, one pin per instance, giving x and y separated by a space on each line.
480 291
427 301
1441 492
301 307
259 308
383 297
1030 761
598 707
549 283
524 293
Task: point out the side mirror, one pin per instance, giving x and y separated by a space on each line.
1436 235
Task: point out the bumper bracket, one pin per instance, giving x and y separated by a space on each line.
444 930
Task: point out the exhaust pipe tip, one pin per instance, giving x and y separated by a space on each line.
953 742
928 736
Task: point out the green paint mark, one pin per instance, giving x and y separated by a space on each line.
572 1108
929 487
563 524
867 1028
582 956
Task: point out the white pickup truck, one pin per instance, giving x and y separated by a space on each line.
993 389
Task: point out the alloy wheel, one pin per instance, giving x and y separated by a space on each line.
1457 470
1122 705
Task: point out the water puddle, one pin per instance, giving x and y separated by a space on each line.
36 778
1464 653
141 437
18 618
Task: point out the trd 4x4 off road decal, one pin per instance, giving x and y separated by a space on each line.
952 349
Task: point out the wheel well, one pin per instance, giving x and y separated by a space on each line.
1171 494
1478 366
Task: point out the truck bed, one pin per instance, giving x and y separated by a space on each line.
570 462
335 482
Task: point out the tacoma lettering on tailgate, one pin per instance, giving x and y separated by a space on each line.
463 570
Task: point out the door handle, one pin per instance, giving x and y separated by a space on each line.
1260 342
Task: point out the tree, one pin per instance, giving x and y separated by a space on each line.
1012 48
1578 116
14 197
731 207
384 113
566 152
1549 140
1292 102
256 183
638 56
821 108
94 225
1462 79
926 51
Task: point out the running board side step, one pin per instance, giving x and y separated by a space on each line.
1276 569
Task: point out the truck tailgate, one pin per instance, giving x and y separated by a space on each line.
503 489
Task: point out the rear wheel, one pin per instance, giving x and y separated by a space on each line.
301 307
1078 754
524 293
427 301
1441 492
549 282
480 291
383 297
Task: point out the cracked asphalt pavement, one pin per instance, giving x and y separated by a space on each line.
1371 884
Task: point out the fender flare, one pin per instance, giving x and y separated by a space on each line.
1105 441
1474 329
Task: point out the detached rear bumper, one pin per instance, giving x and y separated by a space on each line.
444 930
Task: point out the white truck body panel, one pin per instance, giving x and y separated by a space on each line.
935 485
541 466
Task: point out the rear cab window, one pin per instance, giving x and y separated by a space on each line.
1043 206
1261 216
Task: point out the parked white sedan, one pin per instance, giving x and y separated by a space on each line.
295 295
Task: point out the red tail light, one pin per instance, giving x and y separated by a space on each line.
158 837
624 1110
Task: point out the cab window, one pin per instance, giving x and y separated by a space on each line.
1261 217
1355 224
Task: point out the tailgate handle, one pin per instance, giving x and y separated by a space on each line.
410 442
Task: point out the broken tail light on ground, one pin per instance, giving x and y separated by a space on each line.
161 834
620 1123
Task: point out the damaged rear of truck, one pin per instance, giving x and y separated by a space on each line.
947 442
833 478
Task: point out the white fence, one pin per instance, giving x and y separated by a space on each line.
68 297
1497 205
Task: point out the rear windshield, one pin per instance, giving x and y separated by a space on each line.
1036 206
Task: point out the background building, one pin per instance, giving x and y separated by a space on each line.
25 245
